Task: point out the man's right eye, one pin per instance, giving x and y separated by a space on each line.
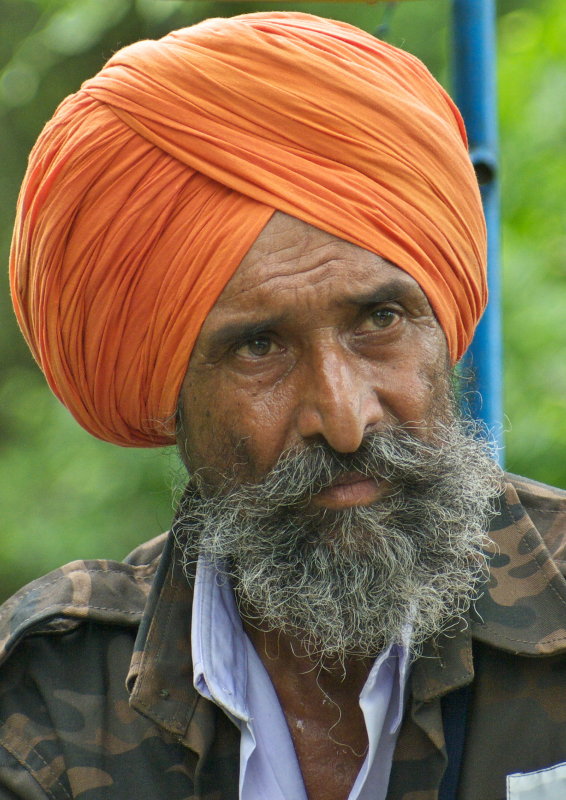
256 347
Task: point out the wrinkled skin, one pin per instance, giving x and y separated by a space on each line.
313 337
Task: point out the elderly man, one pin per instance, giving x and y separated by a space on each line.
263 236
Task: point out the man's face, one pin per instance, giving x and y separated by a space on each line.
330 477
313 339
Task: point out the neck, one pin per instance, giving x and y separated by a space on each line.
287 662
320 702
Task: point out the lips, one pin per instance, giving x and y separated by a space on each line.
350 489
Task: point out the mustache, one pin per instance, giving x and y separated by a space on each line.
394 454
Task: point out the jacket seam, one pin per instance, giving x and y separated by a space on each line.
84 606
27 628
526 641
28 769
18 598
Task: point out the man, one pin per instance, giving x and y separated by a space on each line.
263 236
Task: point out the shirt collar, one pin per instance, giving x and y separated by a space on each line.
220 666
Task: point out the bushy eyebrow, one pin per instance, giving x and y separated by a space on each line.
234 332
391 291
243 330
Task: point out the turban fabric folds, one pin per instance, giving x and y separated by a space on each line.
149 185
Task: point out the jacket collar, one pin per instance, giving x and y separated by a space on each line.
160 680
520 610
523 607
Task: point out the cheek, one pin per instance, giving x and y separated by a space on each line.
231 429
417 387
258 425
432 398
201 415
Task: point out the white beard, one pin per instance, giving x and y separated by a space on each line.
345 583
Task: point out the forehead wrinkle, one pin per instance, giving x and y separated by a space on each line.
339 265
318 274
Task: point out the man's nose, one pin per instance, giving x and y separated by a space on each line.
337 400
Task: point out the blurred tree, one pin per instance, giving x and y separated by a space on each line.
532 71
65 495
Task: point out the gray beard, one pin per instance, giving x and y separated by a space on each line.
346 583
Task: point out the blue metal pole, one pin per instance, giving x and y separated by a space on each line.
474 71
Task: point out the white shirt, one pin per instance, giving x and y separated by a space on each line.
228 671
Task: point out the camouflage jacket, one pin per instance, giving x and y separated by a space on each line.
96 695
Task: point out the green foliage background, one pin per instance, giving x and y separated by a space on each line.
64 495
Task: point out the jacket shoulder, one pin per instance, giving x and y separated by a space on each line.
546 507
104 591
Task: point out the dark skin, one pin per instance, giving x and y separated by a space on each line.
322 712
312 338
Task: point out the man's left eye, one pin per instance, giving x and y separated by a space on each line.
383 317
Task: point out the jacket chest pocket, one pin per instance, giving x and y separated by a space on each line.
544 784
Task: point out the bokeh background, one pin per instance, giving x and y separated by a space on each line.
64 495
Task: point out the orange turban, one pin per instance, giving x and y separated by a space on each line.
149 185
